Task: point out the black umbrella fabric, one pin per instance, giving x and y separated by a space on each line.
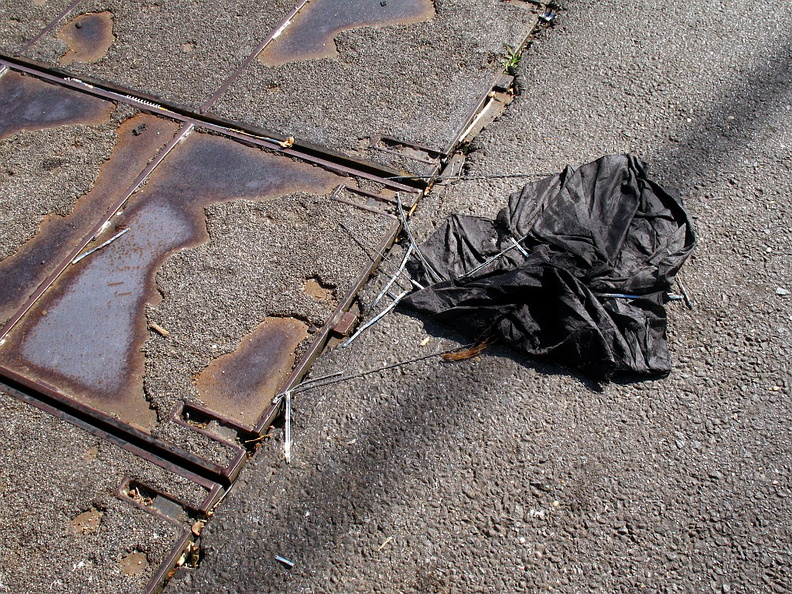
575 268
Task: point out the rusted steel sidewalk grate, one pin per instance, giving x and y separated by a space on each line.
165 306
212 261
396 83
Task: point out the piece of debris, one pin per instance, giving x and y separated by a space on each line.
190 557
86 522
287 428
468 353
544 274
99 247
345 324
283 560
781 291
384 544
135 563
138 130
159 329
198 526
288 143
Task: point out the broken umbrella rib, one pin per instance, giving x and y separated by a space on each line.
393 278
376 318
287 437
339 377
490 260
100 246
406 226
380 255
440 177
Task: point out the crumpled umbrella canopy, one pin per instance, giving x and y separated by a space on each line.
575 268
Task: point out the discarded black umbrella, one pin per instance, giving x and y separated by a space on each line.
575 268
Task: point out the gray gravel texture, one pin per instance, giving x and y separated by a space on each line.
417 83
179 50
22 20
504 474
51 472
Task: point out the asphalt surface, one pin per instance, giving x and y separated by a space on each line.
504 474
496 474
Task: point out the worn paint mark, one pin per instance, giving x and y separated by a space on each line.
135 563
27 103
318 290
311 33
88 37
24 271
86 522
85 335
91 454
243 383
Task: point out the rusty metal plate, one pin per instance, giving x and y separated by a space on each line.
213 280
68 521
88 37
56 143
177 52
311 33
394 82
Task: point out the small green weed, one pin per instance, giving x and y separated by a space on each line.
510 58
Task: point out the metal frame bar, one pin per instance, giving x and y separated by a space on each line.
96 422
50 26
305 151
247 61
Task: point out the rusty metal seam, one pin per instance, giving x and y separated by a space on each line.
136 441
323 335
247 61
236 130
157 582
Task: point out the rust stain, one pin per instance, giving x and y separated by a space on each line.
89 341
25 270
319 291
310 34
86 522
135 563
243 383
27 103
88 37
